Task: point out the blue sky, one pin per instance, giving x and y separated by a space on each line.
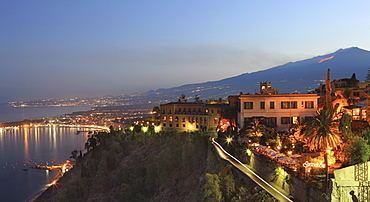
62 49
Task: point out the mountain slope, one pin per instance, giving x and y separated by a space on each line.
300 76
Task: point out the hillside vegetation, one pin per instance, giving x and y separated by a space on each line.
136 166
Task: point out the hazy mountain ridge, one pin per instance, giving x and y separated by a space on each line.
300 76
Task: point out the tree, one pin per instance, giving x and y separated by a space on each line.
74 154
366 135
196 98
345 126
256 129
358 151
242 195
212 191
91 142
328 91
368 75
323 133
227 181
230 113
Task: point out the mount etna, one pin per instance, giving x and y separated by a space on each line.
293 77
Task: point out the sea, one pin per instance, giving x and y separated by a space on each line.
22 148
11 114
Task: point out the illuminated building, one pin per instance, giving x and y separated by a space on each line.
185 116
276 110
266 89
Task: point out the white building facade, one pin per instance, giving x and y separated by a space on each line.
279 110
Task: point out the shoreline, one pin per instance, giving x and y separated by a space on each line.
37 195
28 125
25 125
17 115
47 186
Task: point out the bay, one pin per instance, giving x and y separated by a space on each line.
12 114
24 147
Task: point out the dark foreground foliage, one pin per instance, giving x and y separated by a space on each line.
136 166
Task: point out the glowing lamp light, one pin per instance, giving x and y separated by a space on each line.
249 152
157 129
131 128
144 129
229 140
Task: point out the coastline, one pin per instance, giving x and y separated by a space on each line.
13 115
39 193
28 125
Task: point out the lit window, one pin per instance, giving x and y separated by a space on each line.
308 104
295 120
285 105
289 105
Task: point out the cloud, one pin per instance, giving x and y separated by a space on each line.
77 72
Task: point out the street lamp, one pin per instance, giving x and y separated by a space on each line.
229 140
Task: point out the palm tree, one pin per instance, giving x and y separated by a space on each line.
256 129
322 133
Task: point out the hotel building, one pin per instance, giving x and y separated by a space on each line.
185 116
277 110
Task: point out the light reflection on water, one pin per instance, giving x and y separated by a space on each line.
24 147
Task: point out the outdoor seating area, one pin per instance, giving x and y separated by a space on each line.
308 166
281 158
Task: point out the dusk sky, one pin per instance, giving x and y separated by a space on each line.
64 49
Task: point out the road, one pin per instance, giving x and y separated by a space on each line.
261 182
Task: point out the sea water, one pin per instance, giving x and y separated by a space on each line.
12 114
24 147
